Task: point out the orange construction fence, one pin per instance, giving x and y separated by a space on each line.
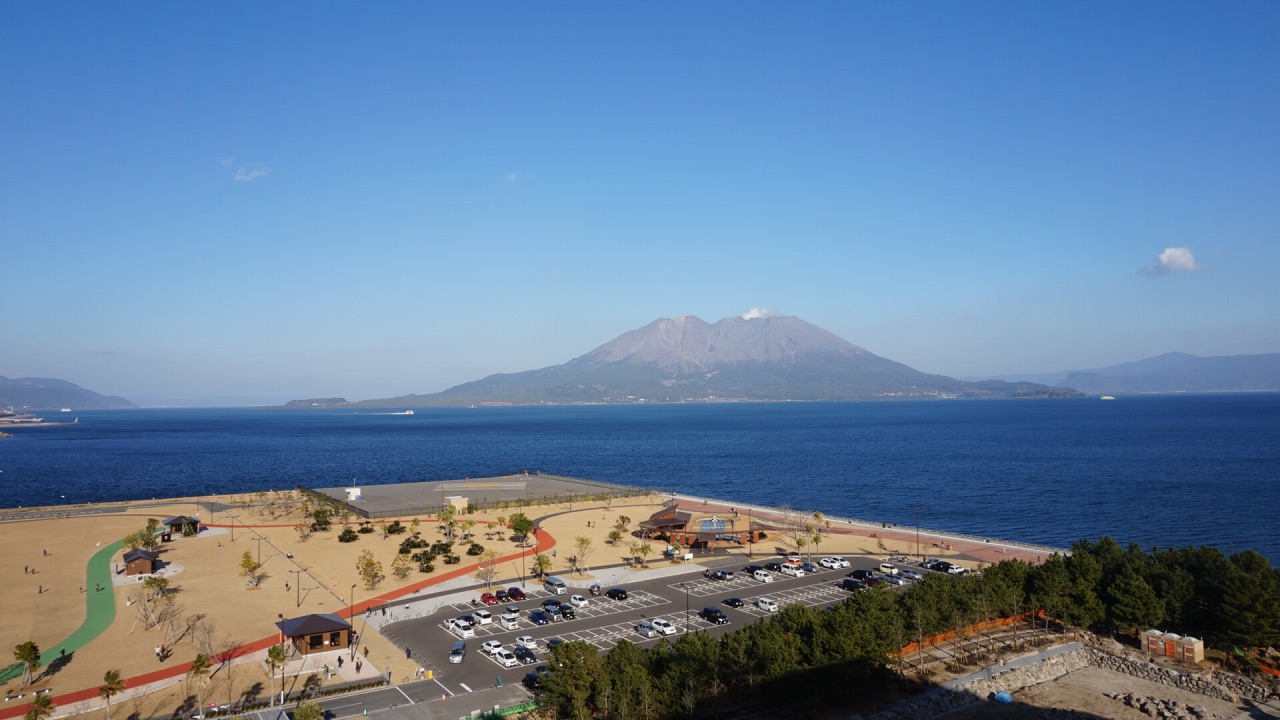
976 627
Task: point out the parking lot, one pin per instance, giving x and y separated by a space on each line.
604 622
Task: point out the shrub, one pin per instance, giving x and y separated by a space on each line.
475 549
426 567
452 559
396 528
348 535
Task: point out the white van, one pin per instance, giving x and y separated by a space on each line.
555 586
510 621
794 570
646 628
767 604
762 576
483 617
463 630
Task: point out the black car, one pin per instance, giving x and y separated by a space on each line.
502 596
550 602
722 575
567 612
751 569
525 655
734 602
861 574
532 680
516 594
714 615
851 584
554 642
538 617
773 567
616 594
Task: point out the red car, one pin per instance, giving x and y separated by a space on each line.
489 599
515 593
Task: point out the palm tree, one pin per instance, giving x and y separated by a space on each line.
276 658
27 653
112 685
41 708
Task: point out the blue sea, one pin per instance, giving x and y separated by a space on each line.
1155 470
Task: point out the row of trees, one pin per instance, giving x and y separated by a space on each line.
793 656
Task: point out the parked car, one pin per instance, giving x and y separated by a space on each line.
594 589
554 613
550 603
722 575
458 652
852 584
483 617
532 680
888 569
773 566
861 574
734 602
616 594
751 570
490 647
489 599
567 612
873 580
646 628
538 617
578 600
525 655
516 594
506 658
835 563
527 641
664 627
714 615
762 576
553 642
810 568
767 604
893 580
502 595
910 574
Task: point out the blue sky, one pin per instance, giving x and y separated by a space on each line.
311 199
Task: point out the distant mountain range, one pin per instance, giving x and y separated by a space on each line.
49 394
1179 372
770 359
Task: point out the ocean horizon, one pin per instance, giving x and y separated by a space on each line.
1159 471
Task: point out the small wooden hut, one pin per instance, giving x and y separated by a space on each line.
140 562
317 633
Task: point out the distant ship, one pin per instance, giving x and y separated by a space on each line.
406 412
1108 397
66 410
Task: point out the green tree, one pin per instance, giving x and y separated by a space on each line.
277 656
1132 604
541 564
628 690
401 566
42 707
581 551
321 519
467 525
447 518
520 524
575 669
112 685
1249 614
369 569
614 536
27 653
308 710
249 568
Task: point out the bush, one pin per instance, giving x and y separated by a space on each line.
452 559
365 528
396 528
440 548
348 535
475 549
410 544
426 567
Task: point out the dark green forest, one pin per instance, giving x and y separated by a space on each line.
805 660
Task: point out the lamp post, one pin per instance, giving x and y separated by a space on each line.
233 526
259 551
351 618
686 606
917 509
297 586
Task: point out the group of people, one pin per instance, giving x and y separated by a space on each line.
162 652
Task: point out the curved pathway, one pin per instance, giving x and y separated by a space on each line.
100 612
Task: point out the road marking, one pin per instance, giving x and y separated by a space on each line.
461 685
442 687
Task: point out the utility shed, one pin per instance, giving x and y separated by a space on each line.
317 633
140 562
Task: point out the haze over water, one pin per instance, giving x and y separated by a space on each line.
1160 471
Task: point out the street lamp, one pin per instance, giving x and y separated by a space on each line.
297 586
685 585
233 526
259 552
351 619
917 509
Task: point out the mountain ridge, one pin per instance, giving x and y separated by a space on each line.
686 359
52 394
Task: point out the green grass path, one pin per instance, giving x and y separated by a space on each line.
100 611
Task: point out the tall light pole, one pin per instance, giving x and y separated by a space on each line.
917 509
233 526
351 619
259 551
685 585
297 586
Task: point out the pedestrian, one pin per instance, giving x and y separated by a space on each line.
99 587
46 553
339 662
157 651
358 665
286 587
26 569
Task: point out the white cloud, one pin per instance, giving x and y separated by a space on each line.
245 173
511 177
1172 260
757 313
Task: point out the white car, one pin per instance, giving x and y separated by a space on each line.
767 604
888 569
490 647
910 574
578 601
506 658
833 563
664 627
527 641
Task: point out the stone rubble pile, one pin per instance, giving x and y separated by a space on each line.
1165 709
